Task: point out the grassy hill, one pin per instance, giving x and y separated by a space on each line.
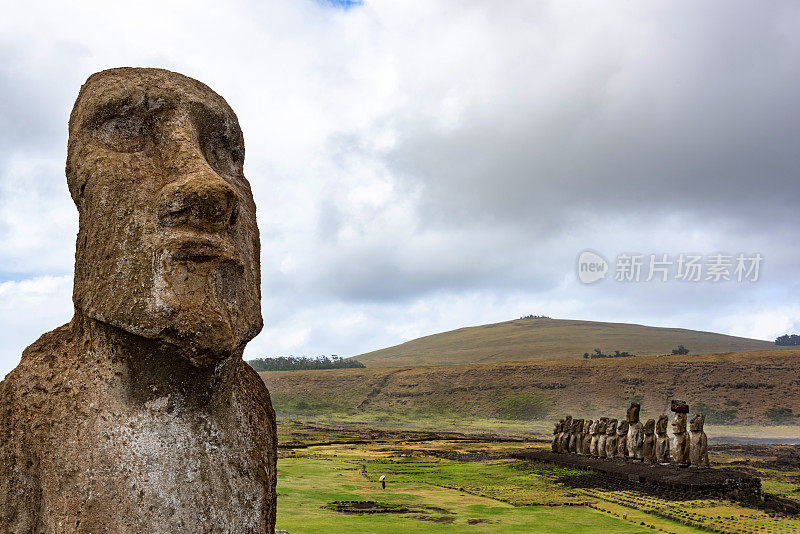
550 339
760 387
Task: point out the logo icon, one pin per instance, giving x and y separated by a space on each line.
591 267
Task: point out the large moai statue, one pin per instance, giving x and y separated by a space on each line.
698 442
139 415
649 443
587 437
662 440
611 438
593 451
635 432
681 449
622 440
557 429
601 438
563 445
575 445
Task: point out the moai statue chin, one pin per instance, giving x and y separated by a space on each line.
601 438
576 446
649 443
139 415
698 442
635 432
611 438
662 440
557 429
622 440
587 437
681 449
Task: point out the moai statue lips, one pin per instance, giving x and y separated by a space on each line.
140 415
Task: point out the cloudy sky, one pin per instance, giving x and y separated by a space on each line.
423 166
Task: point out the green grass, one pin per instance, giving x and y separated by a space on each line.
306 486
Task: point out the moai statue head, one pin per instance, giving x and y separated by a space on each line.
567 423
601 425
587 426
579 426
697 422
679 423
633 413
168 247
661 425
622 428
557 426
611 427
649 427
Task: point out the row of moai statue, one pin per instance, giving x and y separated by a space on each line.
630 439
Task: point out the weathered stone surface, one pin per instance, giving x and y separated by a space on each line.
680 451
611 438
622 440
587 437
635 432
649 443
698 442
601 438
662 440
577 436
139 415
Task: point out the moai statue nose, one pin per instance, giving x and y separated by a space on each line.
201 200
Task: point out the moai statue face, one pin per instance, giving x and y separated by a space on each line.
558 426
679 423
168 246
661 425
579 426
633 413
697 422
649 427
611 427
622 429
587 426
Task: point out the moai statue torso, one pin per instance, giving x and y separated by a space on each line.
662 440
587 437
611 438
596 437
601 438
698 442
649 443
140 415
635 432
557 429
622 440
680 452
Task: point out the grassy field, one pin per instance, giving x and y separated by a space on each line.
746 388
545 339
335 488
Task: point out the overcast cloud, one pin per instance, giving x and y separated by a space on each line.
420 167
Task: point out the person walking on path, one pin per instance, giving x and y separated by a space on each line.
382 480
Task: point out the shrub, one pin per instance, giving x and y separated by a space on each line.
680 350
778 414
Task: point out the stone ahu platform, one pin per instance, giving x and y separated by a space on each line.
670 481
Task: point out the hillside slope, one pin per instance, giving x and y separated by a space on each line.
546 339
760 387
